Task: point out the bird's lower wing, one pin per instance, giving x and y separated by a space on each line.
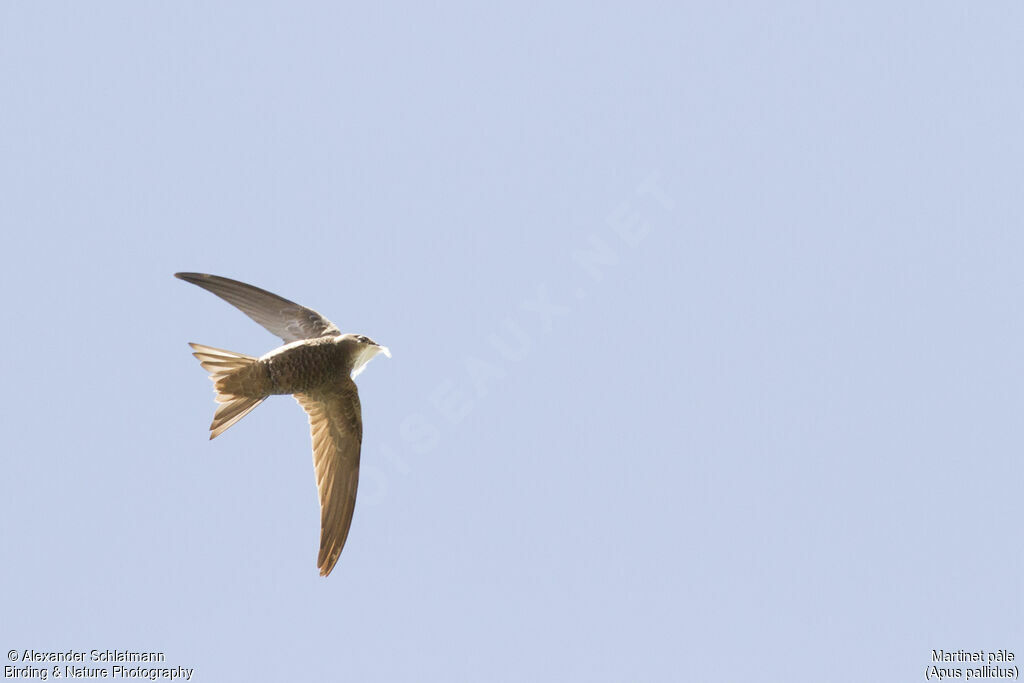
336 424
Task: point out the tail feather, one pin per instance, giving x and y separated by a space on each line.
231 412
221 365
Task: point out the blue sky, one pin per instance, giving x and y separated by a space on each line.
705 321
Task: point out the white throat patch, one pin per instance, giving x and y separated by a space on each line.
366 354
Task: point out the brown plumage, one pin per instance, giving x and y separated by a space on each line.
316 364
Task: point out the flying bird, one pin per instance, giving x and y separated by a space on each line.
316 364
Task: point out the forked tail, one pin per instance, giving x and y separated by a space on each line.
228 371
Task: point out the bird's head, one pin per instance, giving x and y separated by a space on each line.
365 350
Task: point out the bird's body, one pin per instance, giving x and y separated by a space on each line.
316 364
304 365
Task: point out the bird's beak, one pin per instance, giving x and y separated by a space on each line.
385 350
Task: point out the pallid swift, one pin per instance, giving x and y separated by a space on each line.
317 364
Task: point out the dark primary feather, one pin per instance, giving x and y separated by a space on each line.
282 317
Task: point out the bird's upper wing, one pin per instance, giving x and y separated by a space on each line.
335 420
285 318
